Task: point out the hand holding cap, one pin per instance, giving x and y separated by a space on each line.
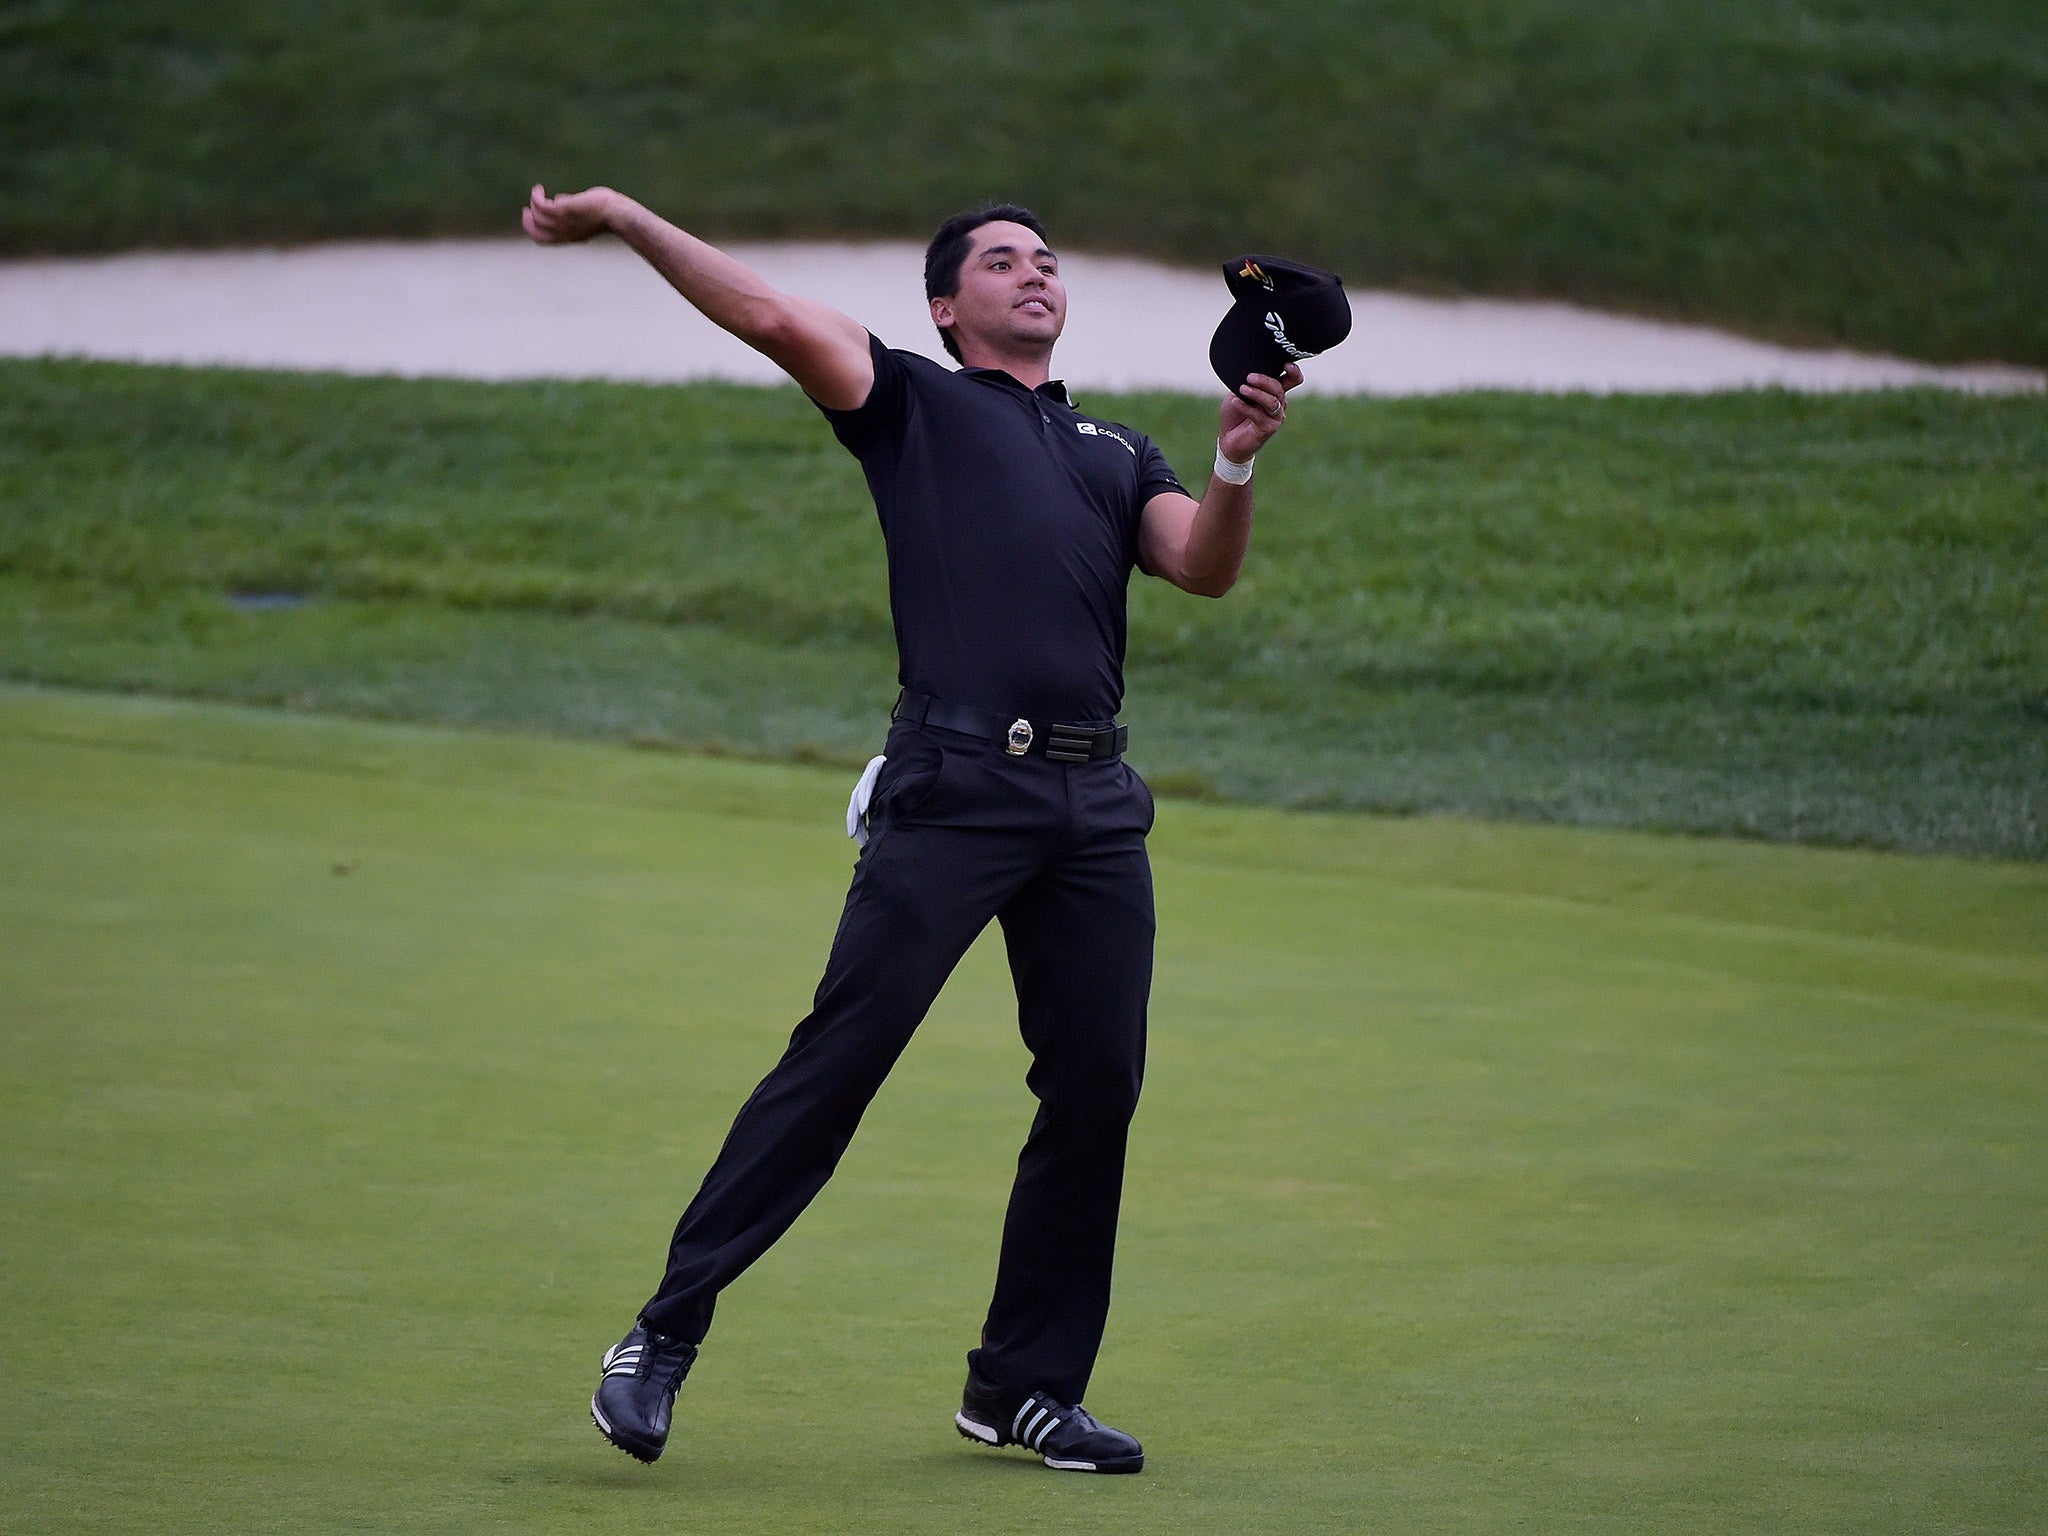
1284 312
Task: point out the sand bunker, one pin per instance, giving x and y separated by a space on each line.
506 309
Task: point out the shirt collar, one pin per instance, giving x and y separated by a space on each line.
1052 389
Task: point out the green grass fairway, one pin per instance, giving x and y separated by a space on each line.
1489 1178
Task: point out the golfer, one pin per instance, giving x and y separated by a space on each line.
1012 522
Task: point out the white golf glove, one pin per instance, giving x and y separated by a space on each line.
857 806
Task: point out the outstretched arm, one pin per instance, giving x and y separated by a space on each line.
825 351
1200 546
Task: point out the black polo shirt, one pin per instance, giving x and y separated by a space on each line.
1011 521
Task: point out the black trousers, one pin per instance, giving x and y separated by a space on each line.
961 832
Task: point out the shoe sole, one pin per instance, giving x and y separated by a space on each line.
614 1438
981 1434
1126 1464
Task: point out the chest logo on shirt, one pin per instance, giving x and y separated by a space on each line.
1093 430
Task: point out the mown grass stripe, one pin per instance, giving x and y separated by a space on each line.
1773 615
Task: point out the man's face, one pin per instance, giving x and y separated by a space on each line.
1010 298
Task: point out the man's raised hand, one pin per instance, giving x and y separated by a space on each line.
823 350
568 218
1255 413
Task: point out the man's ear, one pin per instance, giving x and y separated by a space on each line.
942 313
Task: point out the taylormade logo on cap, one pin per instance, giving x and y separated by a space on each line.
1281 314
1279 334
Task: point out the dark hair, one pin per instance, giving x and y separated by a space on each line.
947 253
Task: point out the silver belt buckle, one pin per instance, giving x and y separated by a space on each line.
1020 738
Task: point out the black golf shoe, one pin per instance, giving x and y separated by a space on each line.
1068 1439
638 1390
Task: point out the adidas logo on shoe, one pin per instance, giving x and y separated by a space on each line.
1067 1439
636 1394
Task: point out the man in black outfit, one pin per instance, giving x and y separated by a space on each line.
1012 523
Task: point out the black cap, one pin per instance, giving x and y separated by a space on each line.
1284 313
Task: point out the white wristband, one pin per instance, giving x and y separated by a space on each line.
1231 473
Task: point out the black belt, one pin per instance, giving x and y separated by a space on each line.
1060 743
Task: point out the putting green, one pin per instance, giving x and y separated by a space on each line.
1489 1178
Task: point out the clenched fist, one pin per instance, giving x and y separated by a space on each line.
566 219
